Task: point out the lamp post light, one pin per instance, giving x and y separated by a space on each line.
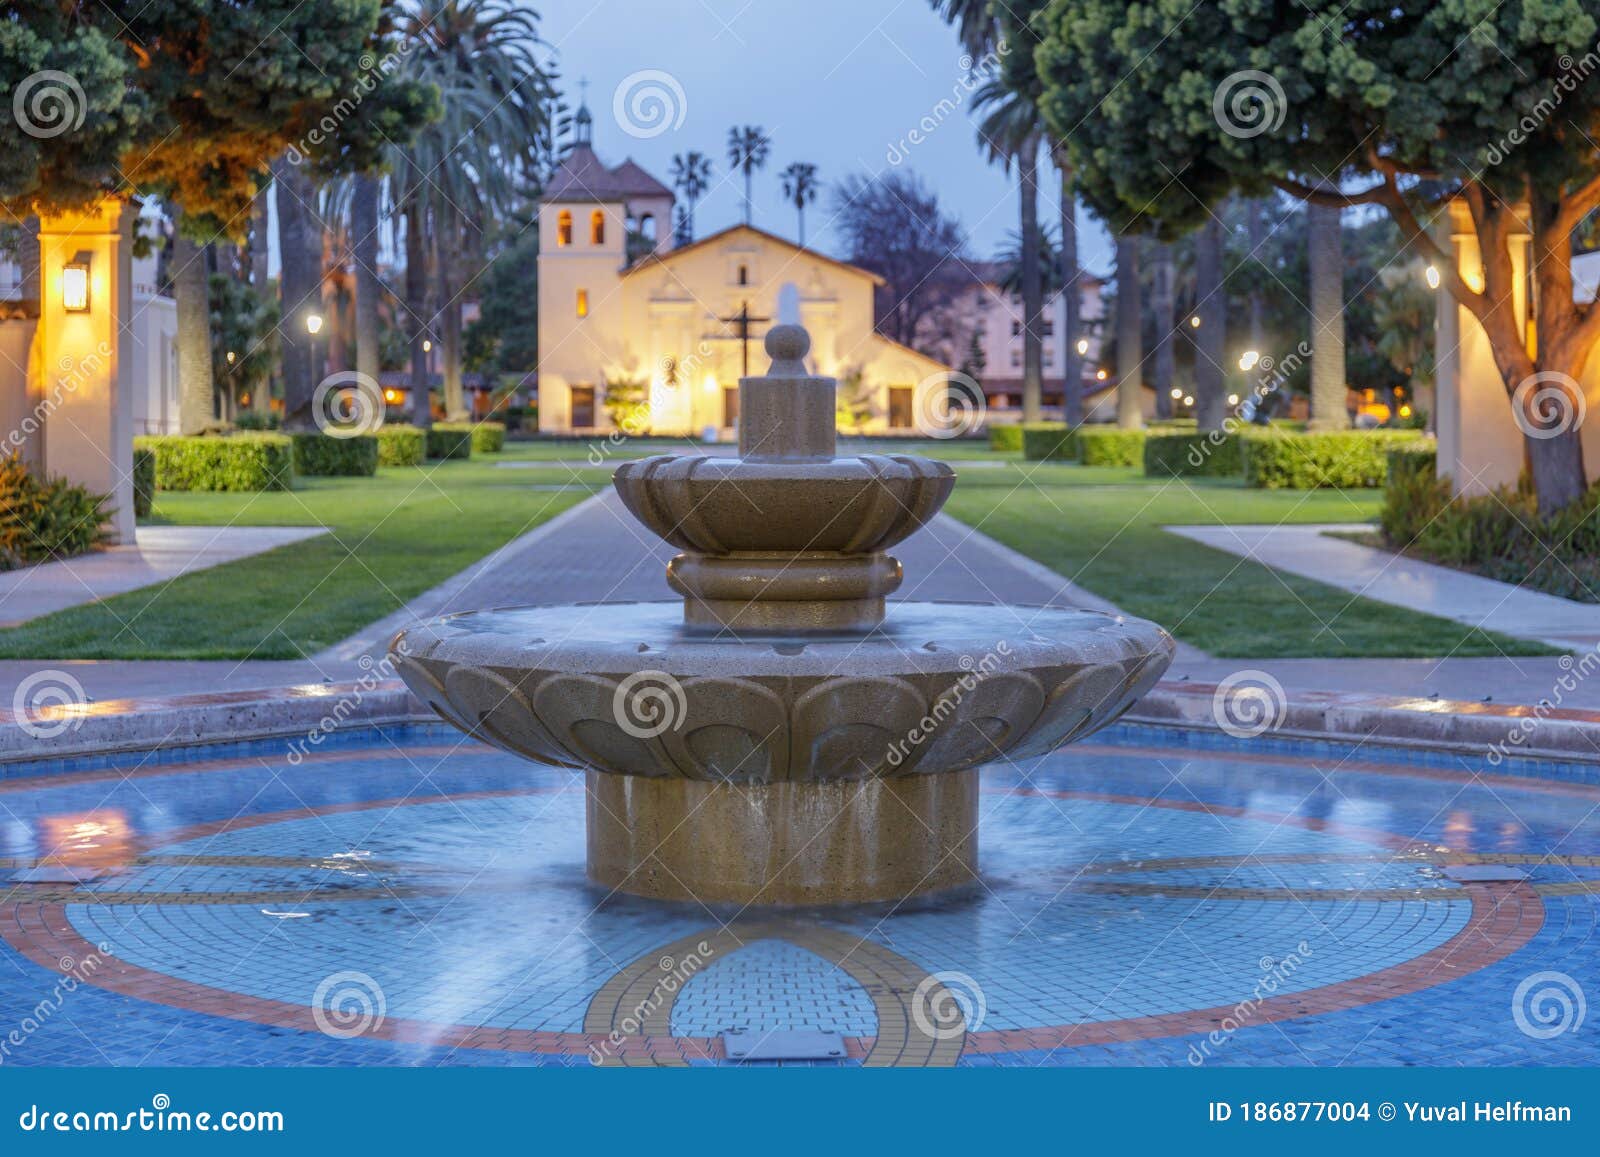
313 328
75 285
1432 274
1248 359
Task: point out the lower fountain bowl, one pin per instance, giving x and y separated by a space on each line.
770 768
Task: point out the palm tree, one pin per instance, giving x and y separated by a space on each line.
1211 307
473 165
800 187
191 291
747 151
1162 298
1326 254
1067 255
1010 131
691 176
1130 357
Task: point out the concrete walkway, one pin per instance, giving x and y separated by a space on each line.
1386 577
159 555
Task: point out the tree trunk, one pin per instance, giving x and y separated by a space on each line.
418 326
1557 466
1130 356
1071 359
1212 308
1257 233
364 250
1326 255
299 289
1032 283
259 245
196 391
448 259
1164 369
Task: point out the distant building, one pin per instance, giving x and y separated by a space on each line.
621 309
985 308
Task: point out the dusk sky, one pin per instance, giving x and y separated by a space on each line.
838 83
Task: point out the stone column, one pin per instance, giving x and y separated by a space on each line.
81 385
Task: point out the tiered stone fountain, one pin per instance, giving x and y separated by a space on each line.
781 736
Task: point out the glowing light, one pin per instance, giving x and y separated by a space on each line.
1405 411
427 346
392 396
1432 275
1188 400
1083 345
1248 359
313 324
1194 321
1233 399
75 287
1176 392
1100 376
710 383
232 357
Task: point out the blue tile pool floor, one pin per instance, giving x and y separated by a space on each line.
408 897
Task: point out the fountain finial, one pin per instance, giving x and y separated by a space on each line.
787 346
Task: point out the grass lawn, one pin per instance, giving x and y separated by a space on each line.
392 538
407 530
1101 527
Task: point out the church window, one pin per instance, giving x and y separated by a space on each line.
597 228
564 228
583 303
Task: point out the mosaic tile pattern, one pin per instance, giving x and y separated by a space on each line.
1136 893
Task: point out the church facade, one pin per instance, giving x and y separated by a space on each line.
664 332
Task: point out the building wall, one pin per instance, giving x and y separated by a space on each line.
997 316
661 325
153 351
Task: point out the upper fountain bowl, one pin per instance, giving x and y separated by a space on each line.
727 505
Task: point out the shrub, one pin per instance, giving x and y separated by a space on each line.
1111 447
1413 495
252 420
402 446
46 519
488 437
449 440
144 482
239 462
1191 454
318 455
1005 439
1049 442
1277 460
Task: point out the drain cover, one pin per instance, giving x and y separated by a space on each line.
783 1045
1485 874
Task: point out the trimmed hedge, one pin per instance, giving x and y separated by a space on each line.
488 437
402 446
319 455
1348 459
44 519
1414 494
1111 447
236 462
1005 439
1049 443
1192 455
144 481
449 440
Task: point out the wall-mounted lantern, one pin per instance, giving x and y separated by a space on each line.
75 284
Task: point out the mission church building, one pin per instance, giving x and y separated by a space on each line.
619 304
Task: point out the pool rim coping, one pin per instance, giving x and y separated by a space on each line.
1561 735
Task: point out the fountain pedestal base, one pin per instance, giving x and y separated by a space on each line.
827 841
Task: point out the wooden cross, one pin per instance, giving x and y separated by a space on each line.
743 319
